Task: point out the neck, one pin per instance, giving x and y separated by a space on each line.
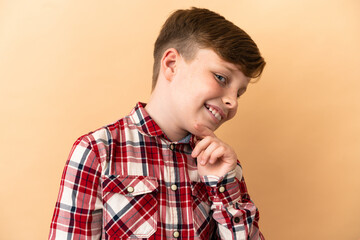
160 110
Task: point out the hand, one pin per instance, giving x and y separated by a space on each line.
214 157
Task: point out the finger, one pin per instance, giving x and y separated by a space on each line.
209 151
217 154
202 131
199 159
201 146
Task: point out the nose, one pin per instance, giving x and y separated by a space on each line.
230 100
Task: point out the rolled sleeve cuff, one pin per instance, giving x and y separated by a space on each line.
223 191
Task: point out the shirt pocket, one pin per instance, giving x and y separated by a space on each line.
130 206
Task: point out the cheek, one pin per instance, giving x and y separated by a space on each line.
232 114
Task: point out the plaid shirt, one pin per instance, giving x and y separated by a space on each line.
127 180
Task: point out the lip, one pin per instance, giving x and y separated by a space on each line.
219 110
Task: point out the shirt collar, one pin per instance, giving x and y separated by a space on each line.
144 122
148 126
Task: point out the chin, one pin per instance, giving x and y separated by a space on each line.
215 128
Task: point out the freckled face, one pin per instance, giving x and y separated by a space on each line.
205 91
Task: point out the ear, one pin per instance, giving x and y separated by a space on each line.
169 63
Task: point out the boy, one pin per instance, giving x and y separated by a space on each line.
161 173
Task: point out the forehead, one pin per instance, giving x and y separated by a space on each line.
210 56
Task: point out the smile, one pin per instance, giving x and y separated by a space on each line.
216 114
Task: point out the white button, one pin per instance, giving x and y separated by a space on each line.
130 189
222 189
172 147
173 187
176 234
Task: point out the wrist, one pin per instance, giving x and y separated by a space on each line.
215 171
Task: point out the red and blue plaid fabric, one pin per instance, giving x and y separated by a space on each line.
127 180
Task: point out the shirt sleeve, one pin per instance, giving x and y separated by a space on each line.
78 210
233 210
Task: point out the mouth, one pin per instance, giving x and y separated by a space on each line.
215 112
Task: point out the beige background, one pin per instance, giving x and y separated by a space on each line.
69 67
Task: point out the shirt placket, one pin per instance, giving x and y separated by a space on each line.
172 189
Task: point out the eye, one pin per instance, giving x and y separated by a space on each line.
220 78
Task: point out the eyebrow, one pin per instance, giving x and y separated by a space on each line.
230 68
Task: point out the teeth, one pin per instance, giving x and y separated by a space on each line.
214 112
217 115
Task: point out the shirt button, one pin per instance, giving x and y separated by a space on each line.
172 147
222 189
236 219
130 189
174 187
176 234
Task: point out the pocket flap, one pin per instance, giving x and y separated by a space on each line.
129 185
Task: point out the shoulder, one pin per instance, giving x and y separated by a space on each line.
107 133
101 139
